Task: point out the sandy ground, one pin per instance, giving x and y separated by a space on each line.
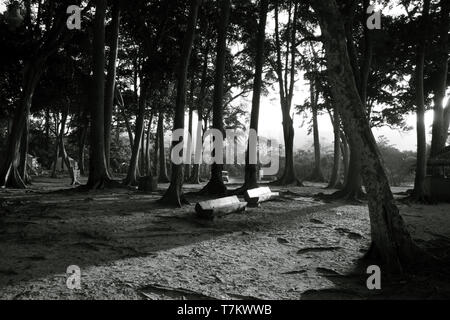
129 247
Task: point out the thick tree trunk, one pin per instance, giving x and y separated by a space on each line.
57 145
98 172
391 241
82 142
156 150
216 185
421 167
47 130
141 162
162 172
352 190
439 132
111 80
317 175
335 174
173 195
446 120
345 157
251 170
148 162
195 176
367 58
129 130
24 154
289 176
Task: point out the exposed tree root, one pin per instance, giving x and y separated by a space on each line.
351 196
417 261
215 187
417 197
173 197
12 179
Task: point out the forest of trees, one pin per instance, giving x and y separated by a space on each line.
106 95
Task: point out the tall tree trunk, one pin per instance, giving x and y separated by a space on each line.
421 167
129 131
82 143
98 172
367 58
47 130
173 195
352 190
57 145
251 174
132 176
24 153
162 174
391 241
286 93
121 104
111 80
439 132
141 162
345 157
216 185
317 175
156 151
446 121
64 157
195 178
188 166
148 162
335 174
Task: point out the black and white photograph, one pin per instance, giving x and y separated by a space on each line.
224 155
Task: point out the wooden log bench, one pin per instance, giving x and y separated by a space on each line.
219 207
256 196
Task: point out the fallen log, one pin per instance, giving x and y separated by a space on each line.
258 195
219 207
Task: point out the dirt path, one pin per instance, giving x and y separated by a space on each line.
128 247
